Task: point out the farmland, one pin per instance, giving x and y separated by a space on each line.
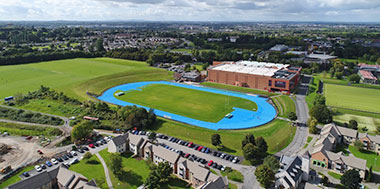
75 77
191 103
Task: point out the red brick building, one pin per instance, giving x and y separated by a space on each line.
258 75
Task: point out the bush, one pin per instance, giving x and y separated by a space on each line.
87 155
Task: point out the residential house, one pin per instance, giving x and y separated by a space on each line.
135 142
118 144
367 77
370 142
293 171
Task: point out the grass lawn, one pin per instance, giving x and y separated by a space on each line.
54 107
371 157
92 169
284 105
238 89
182 50
76 76
136 172
363 121
313 88
335 175
278 134
352 97
191 103
234 175
309 139
19 129
15 178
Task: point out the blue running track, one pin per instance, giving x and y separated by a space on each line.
241 119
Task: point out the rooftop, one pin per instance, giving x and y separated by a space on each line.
367 74
321 56
252 67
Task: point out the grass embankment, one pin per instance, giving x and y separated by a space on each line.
52 107
313 88
371 157
76 76
237 89
355 98
15 178
232 186
92 169
284 105
135 173
18 129
196 104
233 175
335 175
278 134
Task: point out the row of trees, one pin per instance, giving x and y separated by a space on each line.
254 149
27 116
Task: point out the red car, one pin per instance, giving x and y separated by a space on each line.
40 152
187 155
210 163
29 137
91 146
190 144
200 148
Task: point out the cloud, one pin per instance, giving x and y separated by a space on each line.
192 10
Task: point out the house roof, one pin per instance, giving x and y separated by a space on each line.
375 139
348 132
120 140
69 178
348 160
199 172
216 182
36 181
292 167
165 154
367 75
135 139
321 56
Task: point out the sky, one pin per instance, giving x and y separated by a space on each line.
191 10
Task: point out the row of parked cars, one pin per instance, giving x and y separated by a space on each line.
200 148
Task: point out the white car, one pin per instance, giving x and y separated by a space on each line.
74 161
54 161
73 153
38 168
235 160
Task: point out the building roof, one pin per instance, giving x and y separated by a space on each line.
348 132
251 67
199 172
216 182
36 181
321 56
292 167
120 140
375 139
348 160
165 154
135 139
367 75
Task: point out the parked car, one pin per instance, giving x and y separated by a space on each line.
187 155
219 167
54 161
40 152
29 137
190 144
80 150
65 157
69 155
210 163
38 168
85 148
207 150
74 161
25 174
59 159
235 160
43 166
48 163
91 145
215 165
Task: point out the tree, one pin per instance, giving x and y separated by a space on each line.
215 140
153 181
355 78
264 175
319 100
249 138
152 136
322 113
81 131
272 162
292 116
369 175
116 163
261 145
164 170
87 155
251 153
99 45
312 124
351 179
358 145
353 124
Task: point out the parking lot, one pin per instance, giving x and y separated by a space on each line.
197 153
68 161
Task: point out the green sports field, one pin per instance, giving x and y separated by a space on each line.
76 76
355 98
191 103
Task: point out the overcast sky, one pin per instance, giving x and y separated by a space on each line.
192 10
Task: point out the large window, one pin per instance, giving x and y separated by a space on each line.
270 83
280 84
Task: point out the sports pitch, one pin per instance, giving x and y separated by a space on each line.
195 105
355 98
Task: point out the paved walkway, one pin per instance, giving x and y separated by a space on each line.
108 179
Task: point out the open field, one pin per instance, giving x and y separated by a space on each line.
237 89
284 105
92 169
191 103
352 97
54 107
356 60
76 76
371 157
15 178
369 122
327 79
234 175
136 172
278 134
18 129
